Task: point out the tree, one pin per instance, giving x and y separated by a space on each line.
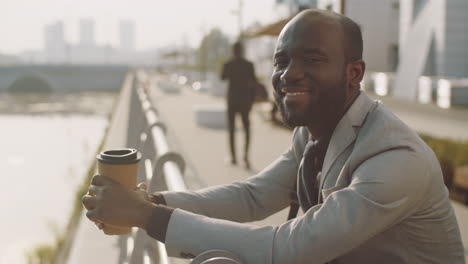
214 49
30 84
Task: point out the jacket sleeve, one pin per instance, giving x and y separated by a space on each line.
379 196
260 196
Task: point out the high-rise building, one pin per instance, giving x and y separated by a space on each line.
54 34
87 37
54 43
127 35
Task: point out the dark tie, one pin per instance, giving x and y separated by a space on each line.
314 155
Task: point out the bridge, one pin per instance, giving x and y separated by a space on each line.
61 78
144 107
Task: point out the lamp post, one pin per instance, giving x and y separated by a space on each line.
203 53
238 12
240 18
342 11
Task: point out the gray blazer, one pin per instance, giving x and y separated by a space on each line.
384 201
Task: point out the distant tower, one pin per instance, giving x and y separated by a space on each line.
127 35
54 42
87 33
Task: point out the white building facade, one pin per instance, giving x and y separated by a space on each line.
433 37
379 25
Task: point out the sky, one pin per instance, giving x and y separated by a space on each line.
158 23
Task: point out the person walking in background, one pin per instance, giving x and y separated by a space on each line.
240 74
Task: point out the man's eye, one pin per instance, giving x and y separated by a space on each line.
311 59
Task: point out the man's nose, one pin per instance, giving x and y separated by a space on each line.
293 72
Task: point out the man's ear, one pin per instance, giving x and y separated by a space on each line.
355 72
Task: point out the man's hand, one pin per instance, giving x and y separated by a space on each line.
109 202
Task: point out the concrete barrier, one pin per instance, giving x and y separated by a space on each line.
382 83
211 116
452 92
169 86
427 89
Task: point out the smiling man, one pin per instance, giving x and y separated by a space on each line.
317 70
371 190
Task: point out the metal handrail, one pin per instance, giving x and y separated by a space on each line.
162 169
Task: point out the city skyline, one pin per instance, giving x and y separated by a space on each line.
58 48
157 24
55 33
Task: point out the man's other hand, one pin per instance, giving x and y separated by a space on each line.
109 202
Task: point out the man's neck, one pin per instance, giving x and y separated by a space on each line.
328 128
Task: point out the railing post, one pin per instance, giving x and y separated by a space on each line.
139 245
134 113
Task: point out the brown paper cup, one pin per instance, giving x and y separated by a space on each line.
122 166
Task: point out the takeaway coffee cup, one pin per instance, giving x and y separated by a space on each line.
122 166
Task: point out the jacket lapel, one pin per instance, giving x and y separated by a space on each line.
345 132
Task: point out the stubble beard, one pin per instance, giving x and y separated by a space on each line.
293 120
326 112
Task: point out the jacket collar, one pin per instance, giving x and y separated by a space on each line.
345 131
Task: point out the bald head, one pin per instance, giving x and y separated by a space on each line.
350 31
318 68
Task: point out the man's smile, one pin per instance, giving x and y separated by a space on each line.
293 93
289 90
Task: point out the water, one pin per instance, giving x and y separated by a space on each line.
46 146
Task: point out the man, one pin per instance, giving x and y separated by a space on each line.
370 188
240 74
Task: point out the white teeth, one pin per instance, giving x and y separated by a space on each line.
296 93
293 93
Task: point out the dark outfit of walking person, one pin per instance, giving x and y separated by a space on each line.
240 74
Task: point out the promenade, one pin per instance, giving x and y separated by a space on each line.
206 149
